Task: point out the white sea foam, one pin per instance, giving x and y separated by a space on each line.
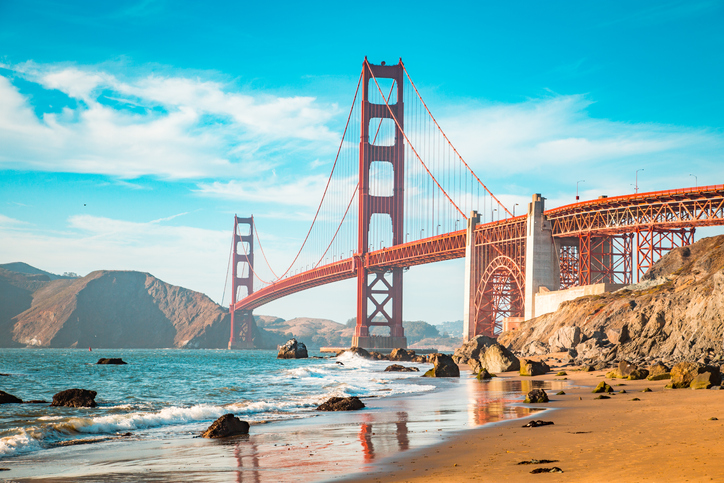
22 442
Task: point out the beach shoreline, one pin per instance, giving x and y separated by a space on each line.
669 435
314 447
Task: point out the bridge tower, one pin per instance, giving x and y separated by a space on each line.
380 290
242 275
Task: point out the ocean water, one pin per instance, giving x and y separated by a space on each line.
174 393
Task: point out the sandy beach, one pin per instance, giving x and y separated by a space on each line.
666 436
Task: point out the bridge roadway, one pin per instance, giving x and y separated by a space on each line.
664 210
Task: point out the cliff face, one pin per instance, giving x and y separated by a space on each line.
107 309
675 313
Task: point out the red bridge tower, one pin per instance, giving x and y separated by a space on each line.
380 289
242 275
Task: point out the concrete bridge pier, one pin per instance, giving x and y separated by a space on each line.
541 256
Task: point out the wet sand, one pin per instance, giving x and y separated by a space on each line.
667 436
326 446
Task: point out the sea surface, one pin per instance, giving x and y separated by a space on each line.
166 398
162 392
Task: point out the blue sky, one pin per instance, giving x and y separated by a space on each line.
131 132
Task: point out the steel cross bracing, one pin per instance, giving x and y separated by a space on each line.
671 209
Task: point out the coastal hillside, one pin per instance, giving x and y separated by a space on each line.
675 313
107 309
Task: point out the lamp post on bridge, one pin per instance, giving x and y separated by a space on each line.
637 180
696 180
577 182
514 209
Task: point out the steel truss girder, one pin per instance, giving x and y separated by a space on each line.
672 209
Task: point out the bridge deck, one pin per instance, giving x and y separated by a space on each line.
671 209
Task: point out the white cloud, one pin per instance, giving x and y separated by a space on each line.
504 140
169 127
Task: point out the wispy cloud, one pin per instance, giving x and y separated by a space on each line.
532 137
173 128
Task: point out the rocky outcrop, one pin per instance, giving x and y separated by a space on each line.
75 398
341 404
6 398
533 368
565 338
111 360
471 349
443 366
676 313
400 368
226 426
402 355
293 349
499 359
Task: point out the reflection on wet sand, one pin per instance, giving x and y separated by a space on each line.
250 472
319 448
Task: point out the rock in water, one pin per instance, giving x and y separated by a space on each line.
75 398
471 349
358 351
341 404
6 398
227 425
112 360
536 396
533 368
400 368
444 366
293 350
499 359
402 355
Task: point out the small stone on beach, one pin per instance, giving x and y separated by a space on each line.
536 423
537 462
555 469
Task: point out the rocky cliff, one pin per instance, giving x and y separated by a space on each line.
675 313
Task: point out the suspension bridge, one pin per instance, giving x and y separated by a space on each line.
399 194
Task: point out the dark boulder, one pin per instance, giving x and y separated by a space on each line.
399 368
112 360
536 396
533 368
484 375
341 404
402 355
75 398
443 366
377 356
419 359
293 350
227 425
6 398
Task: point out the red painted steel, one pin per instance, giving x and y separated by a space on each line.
242 319
669 209
382 292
